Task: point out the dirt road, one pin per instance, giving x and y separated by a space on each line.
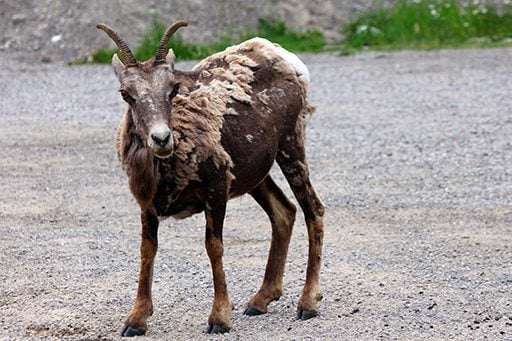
410 151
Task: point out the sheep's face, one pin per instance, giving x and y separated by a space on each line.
149 91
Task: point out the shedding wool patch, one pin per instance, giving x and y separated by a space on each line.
198 115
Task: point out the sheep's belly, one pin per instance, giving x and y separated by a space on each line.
180 205
178 211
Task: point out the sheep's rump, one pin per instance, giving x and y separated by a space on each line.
258 51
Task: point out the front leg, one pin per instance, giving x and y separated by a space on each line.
219 321
136 322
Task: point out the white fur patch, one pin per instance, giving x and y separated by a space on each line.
146 100
291 58
231 111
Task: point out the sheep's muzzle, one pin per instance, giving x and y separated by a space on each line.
160 141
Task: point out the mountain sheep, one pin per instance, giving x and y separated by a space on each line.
190 141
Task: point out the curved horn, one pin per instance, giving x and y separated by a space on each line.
162 47
126 53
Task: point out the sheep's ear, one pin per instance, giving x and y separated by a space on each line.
170 58
118 66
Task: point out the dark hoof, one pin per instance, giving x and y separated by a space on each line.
217 329
306 314
130 331
250 311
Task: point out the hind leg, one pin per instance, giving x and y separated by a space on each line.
291 158
281 212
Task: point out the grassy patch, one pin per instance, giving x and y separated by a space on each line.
427 24
275 31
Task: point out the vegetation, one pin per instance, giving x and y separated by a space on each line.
409 24
276 31
427 24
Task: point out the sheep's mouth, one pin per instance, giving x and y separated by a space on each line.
163 154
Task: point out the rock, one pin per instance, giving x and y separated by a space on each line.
56 38
19 18
42 24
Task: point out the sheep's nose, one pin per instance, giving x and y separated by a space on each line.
161 138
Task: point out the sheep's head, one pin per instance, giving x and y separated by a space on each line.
149 89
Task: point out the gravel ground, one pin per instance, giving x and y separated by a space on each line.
410 151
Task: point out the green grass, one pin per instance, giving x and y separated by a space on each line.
428 24
276 31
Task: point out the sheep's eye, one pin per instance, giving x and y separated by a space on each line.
174 91
126 96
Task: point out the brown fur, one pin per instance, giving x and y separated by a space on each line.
234 114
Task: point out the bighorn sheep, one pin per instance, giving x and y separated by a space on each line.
190 141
